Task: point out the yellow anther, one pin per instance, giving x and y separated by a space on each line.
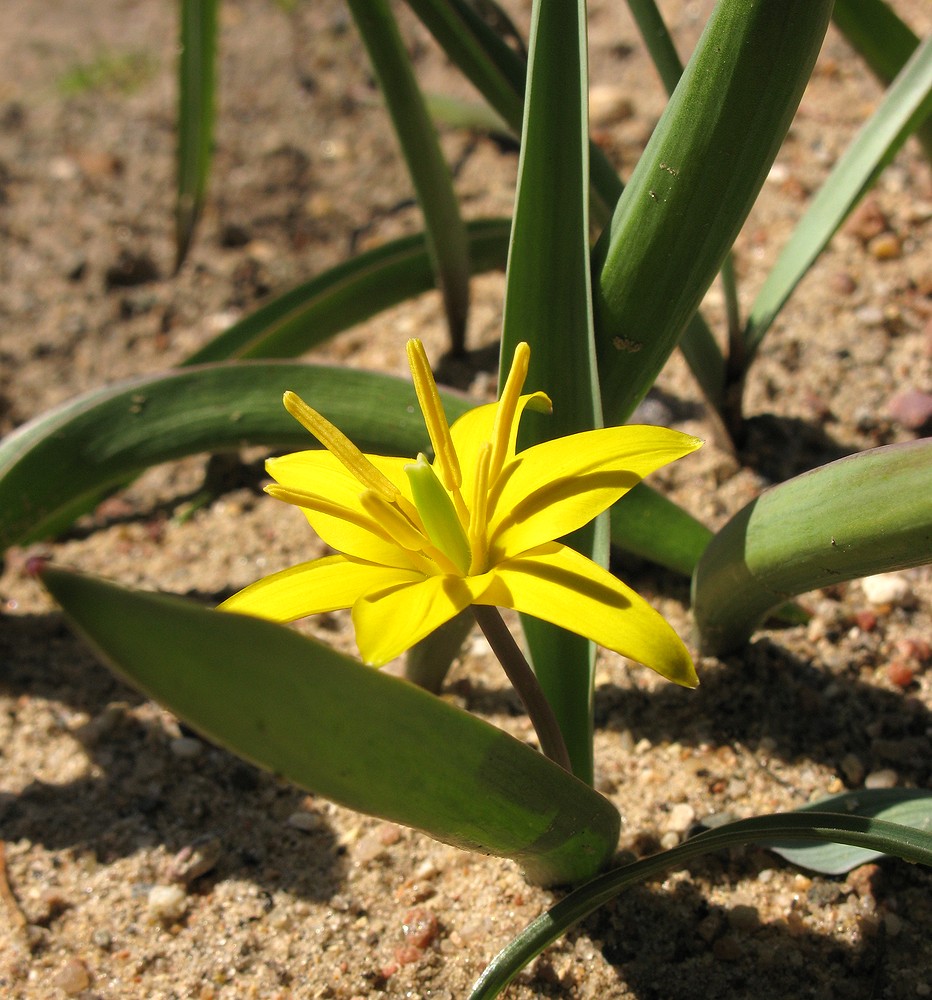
434 416
340 446
402 531
479 515
300 498
507 408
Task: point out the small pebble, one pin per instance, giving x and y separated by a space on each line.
609 105
886 246
72 977
884 778
167 902
901 674
886 588
186 747
680 819
911 409
304 821
852 768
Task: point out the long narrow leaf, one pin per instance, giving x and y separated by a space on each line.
196 101
446 233
349 293
695 183
883 41
907 103
548 304
348 732
863 514
873 834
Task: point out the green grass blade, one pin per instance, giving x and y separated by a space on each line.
910 807
548 304
349 293
873 28
695 183
907 103
196 102
659 43
55 467
350 733
863 514
498 72
861 831
433 182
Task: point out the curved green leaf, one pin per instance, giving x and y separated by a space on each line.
863 514
433 182
196 100
360 737
860 831
695 184
910 807
349 293
56 466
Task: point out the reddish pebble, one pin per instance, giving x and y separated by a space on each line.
866 620
915 649
900 673
420 927
408 954
911 409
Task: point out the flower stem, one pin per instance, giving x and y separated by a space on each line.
525 682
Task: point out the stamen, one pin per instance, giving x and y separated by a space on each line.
340 446
322 505
478 524
434 416
402 531
438 515
507 408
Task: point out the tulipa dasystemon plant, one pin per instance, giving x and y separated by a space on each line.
479 512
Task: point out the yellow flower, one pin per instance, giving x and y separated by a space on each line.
420 541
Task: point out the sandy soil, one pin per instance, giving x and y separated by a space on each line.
144 863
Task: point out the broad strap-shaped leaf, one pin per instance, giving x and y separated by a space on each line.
548 304
196 103
433 183
56 466
905 842
909 807
906 105
351 292
350 733
695 183
864 514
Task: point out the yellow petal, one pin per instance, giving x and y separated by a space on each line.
556 487
320 473
559 585
392 620
311 588
474 429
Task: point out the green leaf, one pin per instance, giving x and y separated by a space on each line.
906 105
863 514
446 233
695 183
196 100
55 467
860 831
548 304
649 525
909 807
362 738
349 293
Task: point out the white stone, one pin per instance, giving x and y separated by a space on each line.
886 588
